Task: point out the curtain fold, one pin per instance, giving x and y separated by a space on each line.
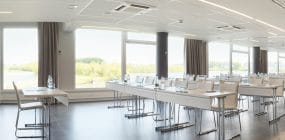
48 43
196 53
263 61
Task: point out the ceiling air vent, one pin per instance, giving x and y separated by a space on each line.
280 3
133 8
230 28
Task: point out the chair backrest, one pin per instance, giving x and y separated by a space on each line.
205 85
139 79
201 77
181 83
149 80
230 100
168 82
17 94
235 78
255 80
277 81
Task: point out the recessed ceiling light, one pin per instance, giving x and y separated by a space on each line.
242 14
6 12
72 6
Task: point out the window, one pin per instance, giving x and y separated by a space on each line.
140 55
98 57
272 62
140 59
175 56
281 62
20 57
219 58
240 60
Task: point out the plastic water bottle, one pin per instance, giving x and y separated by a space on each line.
50 82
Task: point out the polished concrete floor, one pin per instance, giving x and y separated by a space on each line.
93 121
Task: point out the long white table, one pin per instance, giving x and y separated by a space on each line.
262 91
201 100
46 95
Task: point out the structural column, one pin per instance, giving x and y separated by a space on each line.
256 59
162 55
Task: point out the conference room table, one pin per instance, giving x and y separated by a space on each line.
47 95
264 90
201 100
260 90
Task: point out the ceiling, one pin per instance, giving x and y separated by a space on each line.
261 22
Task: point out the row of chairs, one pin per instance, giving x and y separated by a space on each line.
202 85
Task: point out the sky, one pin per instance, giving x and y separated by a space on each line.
90 43
20 45
107 45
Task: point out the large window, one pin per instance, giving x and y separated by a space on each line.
272 62
98 57
219 58
281 62
175 56
20 57
140 55
240 60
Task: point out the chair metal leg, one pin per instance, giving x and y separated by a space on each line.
215 120
239 121
17 120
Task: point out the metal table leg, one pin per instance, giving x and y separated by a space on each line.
116 100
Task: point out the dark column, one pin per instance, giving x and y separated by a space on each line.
161 55
256 59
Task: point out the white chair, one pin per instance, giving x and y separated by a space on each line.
27 106
231 101
202 87
181 83
255 80
201 77
279 90
149 80
139 80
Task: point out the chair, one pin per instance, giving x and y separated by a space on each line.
255 80
231 101
149 81
27 106
279 90
202 87
181 83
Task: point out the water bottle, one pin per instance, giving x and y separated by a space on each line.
50 82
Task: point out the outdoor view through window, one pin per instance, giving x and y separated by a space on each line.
98 57
20 57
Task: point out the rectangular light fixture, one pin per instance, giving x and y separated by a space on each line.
6 12
242 14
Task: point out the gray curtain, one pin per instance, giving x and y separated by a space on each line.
196 53
263 61
48 44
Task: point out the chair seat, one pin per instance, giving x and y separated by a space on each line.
32 105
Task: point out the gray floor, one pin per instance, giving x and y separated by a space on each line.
93 121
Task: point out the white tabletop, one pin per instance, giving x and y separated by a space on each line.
43 92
